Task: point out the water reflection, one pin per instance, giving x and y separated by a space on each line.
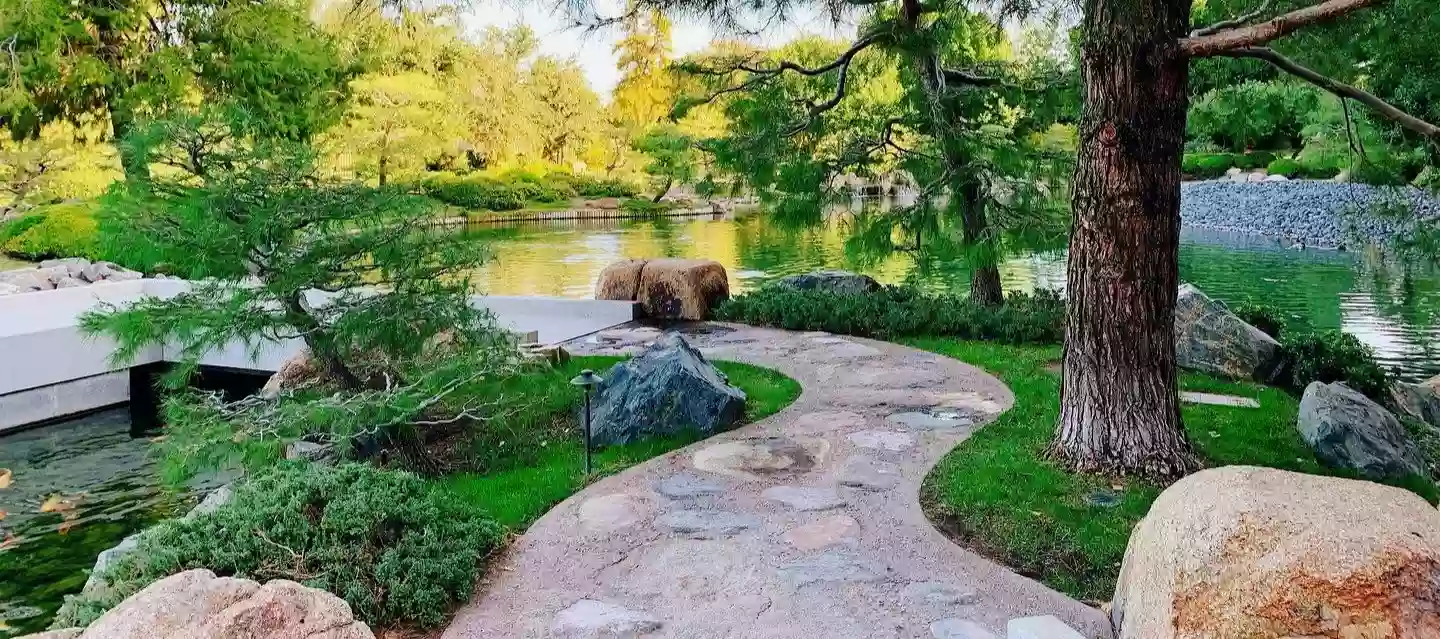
1389 306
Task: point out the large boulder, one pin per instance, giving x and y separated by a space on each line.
1211 339
842 282
196 603
1262 553
666 288
1421 401
668 389
1348 430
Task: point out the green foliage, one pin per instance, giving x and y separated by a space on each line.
1269 319
1264 115
1334 356
1284 166
397 550
473 192
58 230
674 158
608 187
1207 165
902 311
1254 160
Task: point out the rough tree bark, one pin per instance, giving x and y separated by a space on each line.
1119 409
985 278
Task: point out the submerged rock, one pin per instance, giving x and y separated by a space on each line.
1348 430
668 389
1211 339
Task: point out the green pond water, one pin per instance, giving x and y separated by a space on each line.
104 469
1391 307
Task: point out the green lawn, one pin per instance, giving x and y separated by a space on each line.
997 494
532 459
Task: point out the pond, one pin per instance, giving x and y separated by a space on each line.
1391 307
77 488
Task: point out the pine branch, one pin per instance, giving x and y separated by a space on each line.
1225 25
1338 88
1272 29
760 75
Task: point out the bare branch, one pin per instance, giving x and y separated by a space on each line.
1385 109
1225 25
1272 29
957 76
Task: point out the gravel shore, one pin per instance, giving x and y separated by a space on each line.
1307 212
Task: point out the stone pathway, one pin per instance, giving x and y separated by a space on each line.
805 525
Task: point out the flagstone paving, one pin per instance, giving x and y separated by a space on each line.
804 525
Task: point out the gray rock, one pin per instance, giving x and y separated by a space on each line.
959 629
940 593
311 451
706 524
668 389
832 566
1348 430
10 289
96 585
96 272
27 280
868 474
212 502
805 498
842 282
70 282
1211 339
590 619
686 486
1421 401
68 261
123 275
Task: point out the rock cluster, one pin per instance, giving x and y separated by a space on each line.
1256 552
668 389
841 282
196 603
1348 430
67 273
666 288
1305 212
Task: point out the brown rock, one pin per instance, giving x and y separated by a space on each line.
1263 553
604 203
297 372
620 281
196 603
667 288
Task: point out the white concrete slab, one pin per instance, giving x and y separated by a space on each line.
1213 399
1046 627
65 398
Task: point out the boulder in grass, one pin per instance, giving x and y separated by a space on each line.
667 288
840 282
1421 401
668 389
1211 339
1348 430
1257 552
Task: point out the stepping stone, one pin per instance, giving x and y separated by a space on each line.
609 513
959 629
762 457
940 593
832 567
867 474
1213 399
937 420
686 486
706 524
825 532
890 440
1047 627
590 619
805 498
825 421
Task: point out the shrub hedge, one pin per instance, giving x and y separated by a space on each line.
57 230
1284 166
512 190
1333 356
396 549
898 311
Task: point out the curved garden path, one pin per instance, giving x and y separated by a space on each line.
804 525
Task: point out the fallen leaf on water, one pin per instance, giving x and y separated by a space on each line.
6 477
2 515
10 540
65 526
58 503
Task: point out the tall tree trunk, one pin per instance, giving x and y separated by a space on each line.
985 279
985 274
663 190
1119 410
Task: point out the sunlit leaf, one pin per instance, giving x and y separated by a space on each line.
7 477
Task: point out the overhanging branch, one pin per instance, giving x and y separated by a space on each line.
1227 39
1385 109
956 76
1225 25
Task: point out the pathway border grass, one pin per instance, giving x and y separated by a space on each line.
997 494
539 465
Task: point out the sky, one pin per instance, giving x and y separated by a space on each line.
594 51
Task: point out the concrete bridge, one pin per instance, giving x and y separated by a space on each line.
50 369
